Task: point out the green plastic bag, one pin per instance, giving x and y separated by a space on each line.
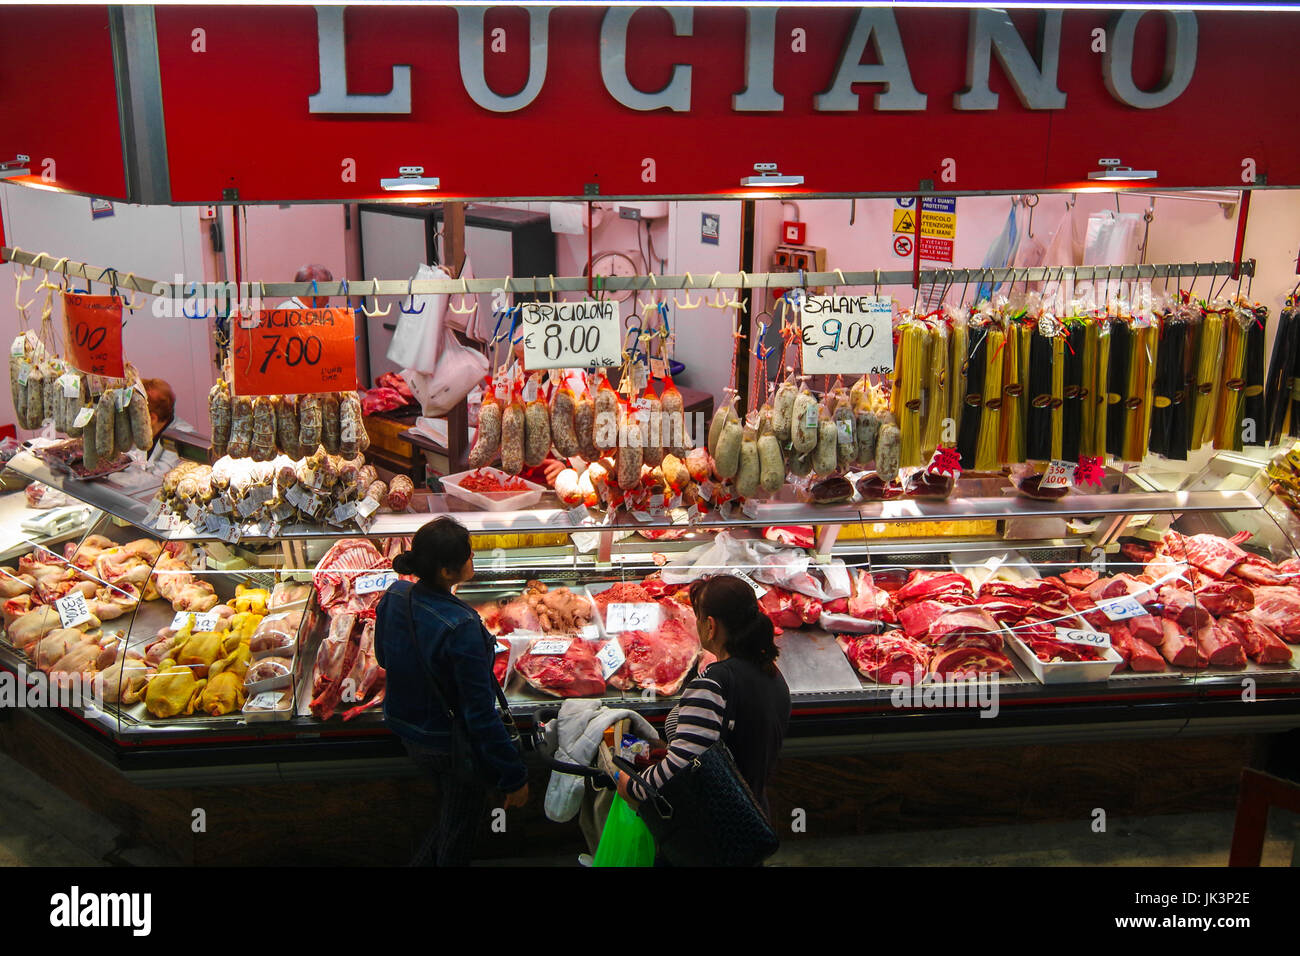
625 841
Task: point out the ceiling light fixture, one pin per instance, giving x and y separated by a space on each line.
410 179
1112 171
768 176
20 166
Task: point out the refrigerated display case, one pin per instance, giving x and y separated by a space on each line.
835 592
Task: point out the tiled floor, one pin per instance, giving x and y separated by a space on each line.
40 826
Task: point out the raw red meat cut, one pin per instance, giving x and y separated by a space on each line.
965 627
573 673
1005 610
1262 645
789 608
660 660
1180 649
623 592
957 662
1138 655
1219 646
500 661
869 601
1257 570
1278 609
1121 585
1135 551
1179 605
1051 596
886 658
1054 652
336 575
1078 577
1034 629
933 585
1146 627
1225 597
916 619
1214 555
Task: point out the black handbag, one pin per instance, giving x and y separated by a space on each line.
706 814
464 758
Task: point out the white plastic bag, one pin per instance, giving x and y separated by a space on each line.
418 340
458 370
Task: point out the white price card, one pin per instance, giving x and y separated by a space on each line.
640 616
1069 635
579 516
155 509
73 610
847 334
640 515
1058 475
378 581
1121 609
759 590
706 490
366 507
192 512
220 505
589 632
122 398
611 657
299 497
571 334
551 647
247 505
83 416
70 382
205 621
267 700
343 512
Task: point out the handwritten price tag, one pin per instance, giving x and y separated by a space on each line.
1058 475
551 647
93 325
206 621
1121 609
571 334
759 590
380 581
73 610
294 352
847 334
631 617
1067 635
611 658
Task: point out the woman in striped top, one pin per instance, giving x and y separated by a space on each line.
741 698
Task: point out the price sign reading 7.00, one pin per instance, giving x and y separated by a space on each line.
571 334
847 334
295 352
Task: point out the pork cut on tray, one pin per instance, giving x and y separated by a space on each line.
571 671
658 660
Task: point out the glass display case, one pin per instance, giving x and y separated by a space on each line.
905 623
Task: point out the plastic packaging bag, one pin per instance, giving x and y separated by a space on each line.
419 336
626 840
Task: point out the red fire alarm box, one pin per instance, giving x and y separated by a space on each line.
793 233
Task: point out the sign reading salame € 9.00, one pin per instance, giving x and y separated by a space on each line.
847 335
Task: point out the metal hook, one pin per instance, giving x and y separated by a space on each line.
410 296
374 293
194 315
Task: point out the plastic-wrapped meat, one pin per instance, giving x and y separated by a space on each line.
886 658
1261 645
659 660
276 632
1179 648
336 574
957 663
1220 647
965 627
1225 597
571 671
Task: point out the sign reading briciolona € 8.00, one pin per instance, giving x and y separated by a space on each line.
294 352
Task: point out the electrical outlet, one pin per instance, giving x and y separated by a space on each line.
629 212
208 212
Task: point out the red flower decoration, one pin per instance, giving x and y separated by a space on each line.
946 461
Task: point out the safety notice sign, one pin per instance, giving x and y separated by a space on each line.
903 246
904 220
936 250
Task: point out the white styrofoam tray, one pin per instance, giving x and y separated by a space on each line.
1063 672
495 500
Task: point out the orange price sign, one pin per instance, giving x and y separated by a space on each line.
295 352
94 333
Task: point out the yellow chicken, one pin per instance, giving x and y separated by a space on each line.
250 599
198 650
173 691
224 693
244 624
235 662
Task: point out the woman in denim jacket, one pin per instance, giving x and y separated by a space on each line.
445 640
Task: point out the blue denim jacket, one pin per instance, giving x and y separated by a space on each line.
448 638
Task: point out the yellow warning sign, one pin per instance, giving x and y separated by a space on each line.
903 221
939 225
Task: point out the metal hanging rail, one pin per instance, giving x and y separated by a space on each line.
543 285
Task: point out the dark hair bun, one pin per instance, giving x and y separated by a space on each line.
404 563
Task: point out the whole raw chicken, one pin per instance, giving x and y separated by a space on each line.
172 691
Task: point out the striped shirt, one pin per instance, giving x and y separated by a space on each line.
692 727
